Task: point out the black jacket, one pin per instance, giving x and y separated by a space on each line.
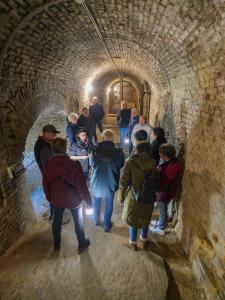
42 152
155 149
88 123
81 149
106 162
123 117
96 112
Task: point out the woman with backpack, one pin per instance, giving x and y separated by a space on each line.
137 212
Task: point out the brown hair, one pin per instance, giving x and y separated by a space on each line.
108 135
167 150
144 147
59 145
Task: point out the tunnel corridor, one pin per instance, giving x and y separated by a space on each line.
167 58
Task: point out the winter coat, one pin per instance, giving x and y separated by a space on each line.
138 127
59 193
42 152
106 162
81 149
96 112
123 118
88 123
135 214
169 174
71 131
133 121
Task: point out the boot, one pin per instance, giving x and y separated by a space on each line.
131 245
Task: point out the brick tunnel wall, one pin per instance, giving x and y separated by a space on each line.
49 51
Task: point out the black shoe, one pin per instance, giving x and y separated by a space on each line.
85 245
107 229
56 247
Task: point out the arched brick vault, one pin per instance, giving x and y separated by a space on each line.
50 50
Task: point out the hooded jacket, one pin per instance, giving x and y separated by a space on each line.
135 214
70 194
169 173
106 162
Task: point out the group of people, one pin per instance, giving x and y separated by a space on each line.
149 174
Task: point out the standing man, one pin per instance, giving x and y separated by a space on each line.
123 119
97 113
87 122
106 162
143 125
43 150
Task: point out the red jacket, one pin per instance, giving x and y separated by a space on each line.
59 193
169 173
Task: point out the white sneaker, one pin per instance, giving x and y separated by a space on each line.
155 229
154 222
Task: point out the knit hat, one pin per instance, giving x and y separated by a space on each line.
141 135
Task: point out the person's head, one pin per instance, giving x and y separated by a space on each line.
140 136
157 133
143 148
59 145
123 105
108 135
85 111
72 118
134 112
167 152
49 132
143 119
95 100
82 134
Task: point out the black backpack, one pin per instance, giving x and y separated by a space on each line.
147 190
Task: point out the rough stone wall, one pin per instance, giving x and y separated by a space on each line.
176 46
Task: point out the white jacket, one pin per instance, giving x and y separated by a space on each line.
138 127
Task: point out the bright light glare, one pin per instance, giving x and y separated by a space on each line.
126 141
89 211
108 90
88 88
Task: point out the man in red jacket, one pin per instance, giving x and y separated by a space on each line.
169 169
65 187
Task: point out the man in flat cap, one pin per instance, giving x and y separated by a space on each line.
43 149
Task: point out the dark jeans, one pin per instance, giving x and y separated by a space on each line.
51 210
100 127
78 223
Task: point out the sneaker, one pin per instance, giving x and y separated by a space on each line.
155 229
131 245
96 223
154 222
85 245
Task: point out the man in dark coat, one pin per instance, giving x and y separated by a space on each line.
65 187
86 121
81 150
97 113
106 162
123 119
43 150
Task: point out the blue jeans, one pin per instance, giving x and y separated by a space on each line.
108 210
134 232
162 207
123 135
78 223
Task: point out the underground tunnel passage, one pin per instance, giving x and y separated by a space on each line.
166 57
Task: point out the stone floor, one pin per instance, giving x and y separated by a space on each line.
108 270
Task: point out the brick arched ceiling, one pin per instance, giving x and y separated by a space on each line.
53 45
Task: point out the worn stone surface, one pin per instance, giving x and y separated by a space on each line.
108 270
176 47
